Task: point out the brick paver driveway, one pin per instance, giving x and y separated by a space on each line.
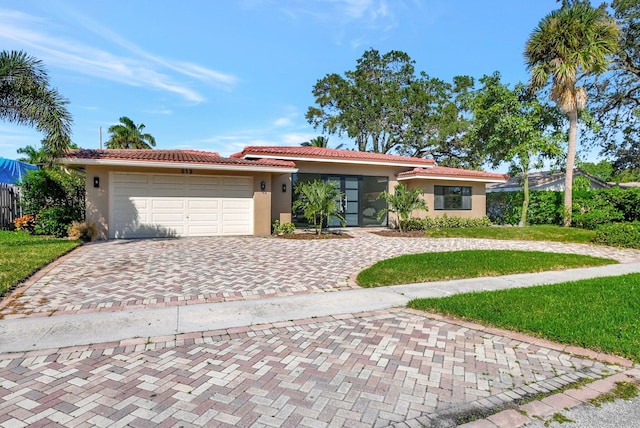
129 274
393 367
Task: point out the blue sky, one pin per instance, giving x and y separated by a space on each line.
219 75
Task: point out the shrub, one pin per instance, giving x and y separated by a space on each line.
26 223
619 235
546 207
592 209
83 231
55 221
43 189
505 207
414 224
283 228
446 222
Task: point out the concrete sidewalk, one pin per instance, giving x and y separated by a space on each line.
27 334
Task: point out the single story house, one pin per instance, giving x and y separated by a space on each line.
544 180
152 193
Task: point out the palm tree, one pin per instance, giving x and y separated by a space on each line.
27 99
569 44
128 135
319 141
319 202
403 203
32 156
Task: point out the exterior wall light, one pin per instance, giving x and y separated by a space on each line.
263 185
284 187
96 181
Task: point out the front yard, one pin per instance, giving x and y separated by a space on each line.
599 314
22 254
439 266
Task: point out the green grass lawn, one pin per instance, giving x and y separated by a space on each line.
600 314
469 264
529 233
22 254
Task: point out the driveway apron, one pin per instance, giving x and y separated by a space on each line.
119 275
392 367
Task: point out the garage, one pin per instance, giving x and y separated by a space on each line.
167 205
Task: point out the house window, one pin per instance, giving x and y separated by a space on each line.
452 198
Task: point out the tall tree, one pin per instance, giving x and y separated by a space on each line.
385 107
437 122
617 94
27 99
128 135
569 44
513 126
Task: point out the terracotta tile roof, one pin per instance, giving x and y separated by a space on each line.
299 152
177 156
443 171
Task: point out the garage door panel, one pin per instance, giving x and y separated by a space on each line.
167 204
148 205
235 229
236 204
167 218
204 204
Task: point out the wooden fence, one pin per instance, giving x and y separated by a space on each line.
10 208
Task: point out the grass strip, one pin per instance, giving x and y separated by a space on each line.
22 254
600 314
529 233
439 266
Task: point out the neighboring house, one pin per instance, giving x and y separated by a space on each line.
146 193
544 180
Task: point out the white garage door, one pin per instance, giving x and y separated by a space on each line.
156 205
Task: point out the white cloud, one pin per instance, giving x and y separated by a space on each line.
283 121
140 69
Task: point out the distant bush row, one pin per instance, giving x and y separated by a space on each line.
446 222
590 208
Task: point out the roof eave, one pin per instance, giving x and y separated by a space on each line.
337 160
163 164
451 178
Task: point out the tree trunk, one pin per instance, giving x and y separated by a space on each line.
525 203
571 159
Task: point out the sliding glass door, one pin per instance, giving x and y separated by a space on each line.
358 201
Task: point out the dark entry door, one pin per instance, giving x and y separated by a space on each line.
349 200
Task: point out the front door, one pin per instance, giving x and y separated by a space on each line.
348 202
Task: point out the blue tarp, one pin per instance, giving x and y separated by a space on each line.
11 171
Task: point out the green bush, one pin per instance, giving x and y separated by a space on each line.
446 222
283 228
413 224
42 189
546 207
594 208
55 221
619 235
504 207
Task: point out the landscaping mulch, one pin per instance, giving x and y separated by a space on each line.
311 236
397 234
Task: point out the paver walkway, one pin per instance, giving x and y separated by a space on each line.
391 367
371 370
119 275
